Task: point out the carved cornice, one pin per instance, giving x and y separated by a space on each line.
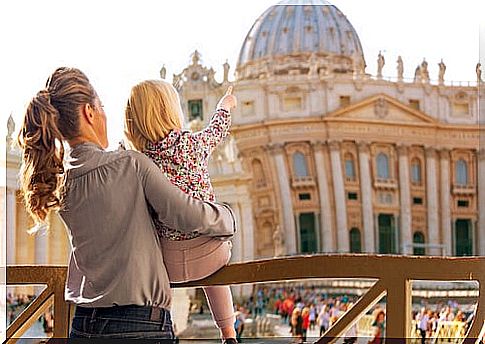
275 148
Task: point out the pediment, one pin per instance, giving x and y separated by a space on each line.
382 108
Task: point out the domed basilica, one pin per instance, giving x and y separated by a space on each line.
322 156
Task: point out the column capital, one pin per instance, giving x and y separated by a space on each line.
275 148
481 153
444 153
363 146
430 151
317 144
402 148
333 144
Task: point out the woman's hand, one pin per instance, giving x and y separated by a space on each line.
228 101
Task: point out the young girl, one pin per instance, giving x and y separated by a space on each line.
153 125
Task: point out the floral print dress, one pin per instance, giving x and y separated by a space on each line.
184 158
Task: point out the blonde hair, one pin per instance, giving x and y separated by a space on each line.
152 111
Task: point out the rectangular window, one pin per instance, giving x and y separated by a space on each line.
414 103
195 109
352 196
304 197
385 198
417 200
308 234
462 203
344 101
292 103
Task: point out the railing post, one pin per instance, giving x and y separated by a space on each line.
398 310
61 307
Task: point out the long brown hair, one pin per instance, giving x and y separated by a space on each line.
51 117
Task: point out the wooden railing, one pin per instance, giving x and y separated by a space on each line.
394 275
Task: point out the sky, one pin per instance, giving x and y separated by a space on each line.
119 43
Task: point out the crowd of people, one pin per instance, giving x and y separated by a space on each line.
305 308
428 319
17 302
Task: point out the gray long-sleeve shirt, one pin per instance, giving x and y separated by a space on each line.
116 257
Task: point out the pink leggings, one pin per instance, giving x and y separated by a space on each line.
194 259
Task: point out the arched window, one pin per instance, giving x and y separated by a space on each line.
299 165
349 167
461 172
383 166
355 241
258 173
418 238
416 171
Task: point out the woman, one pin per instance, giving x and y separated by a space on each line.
116 275
296 322
379 326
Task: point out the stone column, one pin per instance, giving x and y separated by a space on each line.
481 202
285 197
366 196
405 200
42 244
432 200
343 244
446 230
238 240
246 225
11 211
326 220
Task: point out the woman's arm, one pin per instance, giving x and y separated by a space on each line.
178 210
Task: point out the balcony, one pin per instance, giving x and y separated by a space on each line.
464 189
302 182
393 282
385 184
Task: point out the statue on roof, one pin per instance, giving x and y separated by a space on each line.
163 72
441 74
380 64
211 77
226 67
313 64
478 70
195 58
10 130
400 68
417 74
424 71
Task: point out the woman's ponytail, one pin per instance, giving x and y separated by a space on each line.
51 117
43 153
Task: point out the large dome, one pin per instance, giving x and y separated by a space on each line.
300 27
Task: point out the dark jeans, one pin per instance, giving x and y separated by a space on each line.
123 322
